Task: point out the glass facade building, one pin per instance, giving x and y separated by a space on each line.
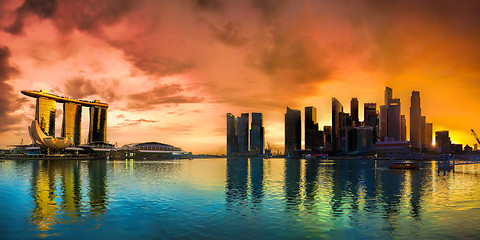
257 134
72 122
45 115
293 132
98 125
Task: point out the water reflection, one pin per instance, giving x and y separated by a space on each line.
240 189
56 188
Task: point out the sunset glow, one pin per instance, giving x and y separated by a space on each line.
170 70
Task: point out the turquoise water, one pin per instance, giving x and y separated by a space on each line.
236 198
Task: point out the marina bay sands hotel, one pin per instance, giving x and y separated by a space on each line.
72 116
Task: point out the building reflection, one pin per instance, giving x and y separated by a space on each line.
256 180
237 181
292 182
241 190
57 191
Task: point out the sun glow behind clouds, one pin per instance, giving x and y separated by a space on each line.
170 70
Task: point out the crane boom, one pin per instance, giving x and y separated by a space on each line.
475 135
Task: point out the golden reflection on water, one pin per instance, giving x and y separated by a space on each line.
57 192
326 193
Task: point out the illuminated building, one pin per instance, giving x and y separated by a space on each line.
243 132
257 134
313 137
415 114
394 119
337 114
45 115
71 128
72 120
293 132
232 134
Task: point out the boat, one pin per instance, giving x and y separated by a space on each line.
403 165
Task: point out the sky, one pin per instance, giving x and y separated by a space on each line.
171 70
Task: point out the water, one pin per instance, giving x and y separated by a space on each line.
236 199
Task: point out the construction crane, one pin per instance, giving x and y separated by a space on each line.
475 135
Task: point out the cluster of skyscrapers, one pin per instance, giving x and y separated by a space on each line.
348 134
239 134
45 112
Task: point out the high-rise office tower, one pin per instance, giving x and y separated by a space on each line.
346 127
370 116
371 119
415 114
423 123
403 128
313 137
428 135
72 121
45 115
354 111
257 134
383 122
98 124
243 133
337 114
394 119
442 142
293 132
327 138
232 134
388 95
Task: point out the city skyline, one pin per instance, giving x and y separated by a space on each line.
171 70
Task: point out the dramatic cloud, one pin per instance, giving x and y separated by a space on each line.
242 56
230 34
40 8
166 94
132 122
8 99
81 88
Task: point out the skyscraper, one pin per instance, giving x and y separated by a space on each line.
45 115
383 122
327 138
442 142
257 134
98 124
243 132
403 131
72 121
371 119
313 137
232 137
337 114
394 119
354 111
388 94
428 135
415 114
423 123
293 132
